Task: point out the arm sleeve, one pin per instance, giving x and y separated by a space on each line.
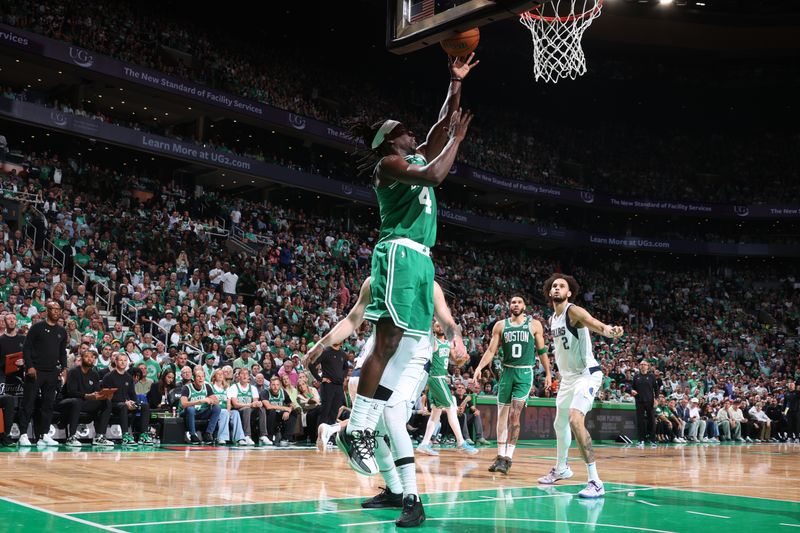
27 348
313 368
72 386
62 351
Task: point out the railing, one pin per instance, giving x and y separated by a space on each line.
21 196
237 236
102 292
125 315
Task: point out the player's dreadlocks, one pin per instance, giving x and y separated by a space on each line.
366 158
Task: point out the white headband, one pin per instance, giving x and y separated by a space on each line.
385 128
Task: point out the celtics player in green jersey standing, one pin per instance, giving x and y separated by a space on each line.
440 397
403 176
522 339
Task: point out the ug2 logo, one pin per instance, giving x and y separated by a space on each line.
81 57
587 196
297 122
741 210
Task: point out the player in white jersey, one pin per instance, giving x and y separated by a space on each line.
396 464
581 378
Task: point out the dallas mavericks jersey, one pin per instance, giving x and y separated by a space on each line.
518 344
573 346
408 211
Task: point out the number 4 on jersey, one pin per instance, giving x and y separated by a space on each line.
425 199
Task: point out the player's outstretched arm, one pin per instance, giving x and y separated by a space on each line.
345 327
437 137
458 352
581 317
541 351
394 167
497 332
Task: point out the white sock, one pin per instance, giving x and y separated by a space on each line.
386 465
592 468
510 450
374 414
408 475
359 413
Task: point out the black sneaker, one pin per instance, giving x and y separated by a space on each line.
208 438
497 462
413 514
385 498
504 466
359 447
194 438
6 442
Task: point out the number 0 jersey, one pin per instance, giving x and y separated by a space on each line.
573 346
518 344
408 211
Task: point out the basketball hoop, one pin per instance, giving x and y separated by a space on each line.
557 28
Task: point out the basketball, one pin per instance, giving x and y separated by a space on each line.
463 44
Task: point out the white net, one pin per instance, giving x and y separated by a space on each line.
557 28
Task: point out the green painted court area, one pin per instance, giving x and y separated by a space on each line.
530 509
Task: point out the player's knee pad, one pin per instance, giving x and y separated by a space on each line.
561 422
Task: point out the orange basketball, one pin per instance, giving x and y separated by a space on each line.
462 44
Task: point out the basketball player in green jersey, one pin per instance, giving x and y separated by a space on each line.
440 397
522 339
403 176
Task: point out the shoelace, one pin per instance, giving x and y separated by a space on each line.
364 443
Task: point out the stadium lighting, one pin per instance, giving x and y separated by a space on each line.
664 2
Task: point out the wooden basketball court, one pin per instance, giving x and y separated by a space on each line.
714 487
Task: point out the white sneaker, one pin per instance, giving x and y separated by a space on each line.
249 442
241 442
594 489
73 442
324 432
554 476
47 440
24 440
641 444
264 441
222 442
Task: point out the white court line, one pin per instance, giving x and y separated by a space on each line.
497 519
64 516
299 501
790 525
648 503
693 489
338 511
706 514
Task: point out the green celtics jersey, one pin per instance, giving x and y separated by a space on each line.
245 395
519 345
441 356
153 369
220 393
195 395
408 211
276 399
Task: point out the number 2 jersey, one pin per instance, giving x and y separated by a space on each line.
573 346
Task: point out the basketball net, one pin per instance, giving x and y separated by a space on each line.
557 28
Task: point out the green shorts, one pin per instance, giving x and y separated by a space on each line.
401 288
439 394
515 384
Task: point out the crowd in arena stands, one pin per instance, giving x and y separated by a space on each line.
673 165
338 166
219 332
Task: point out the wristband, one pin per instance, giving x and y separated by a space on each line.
541 351
456 78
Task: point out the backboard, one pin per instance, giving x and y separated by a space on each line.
415 24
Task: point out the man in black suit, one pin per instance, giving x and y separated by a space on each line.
643 390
